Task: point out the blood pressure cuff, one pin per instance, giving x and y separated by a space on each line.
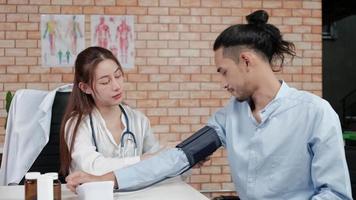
200 145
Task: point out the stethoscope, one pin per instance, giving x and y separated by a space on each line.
127 134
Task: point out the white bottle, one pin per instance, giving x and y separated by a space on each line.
44 187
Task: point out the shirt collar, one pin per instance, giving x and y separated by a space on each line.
283 90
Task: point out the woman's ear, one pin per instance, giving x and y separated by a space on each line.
85 88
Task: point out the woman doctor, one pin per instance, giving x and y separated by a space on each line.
99 133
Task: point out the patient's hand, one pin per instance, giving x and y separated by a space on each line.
79 177
201 163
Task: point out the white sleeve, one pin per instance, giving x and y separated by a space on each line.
150 143
86 158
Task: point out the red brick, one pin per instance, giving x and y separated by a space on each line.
199 28
169 3
71 10
136 11
16 35
178 61
168 103
312 4
7 26
221 11
190 36
168 52
312 86
105 2
26 43
158 95
17 69
27 26
178 95
17 18
169 19
311 21
148 2
147 86
199 44
301 12
179 27
7 8
282 12
189 3
136 95
147 104
189 52
157 44
200 178
168 120
169 69
112 10
168 36
292 4
211 19
13 86
27 9
157 11
61 2
157 27
179 11
93 10
138 77
7 43
159 77
147 36
29 78
84 2
156 61
15 52
8 78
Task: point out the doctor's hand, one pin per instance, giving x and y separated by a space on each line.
149 155
79 177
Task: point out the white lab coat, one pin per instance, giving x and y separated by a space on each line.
27 131
108 156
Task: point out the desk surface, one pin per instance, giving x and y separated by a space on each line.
176 190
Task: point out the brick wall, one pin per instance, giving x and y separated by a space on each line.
174 82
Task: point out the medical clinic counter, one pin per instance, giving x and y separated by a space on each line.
172 190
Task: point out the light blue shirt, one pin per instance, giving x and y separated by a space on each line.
295 153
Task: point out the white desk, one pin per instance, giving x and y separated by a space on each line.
176 190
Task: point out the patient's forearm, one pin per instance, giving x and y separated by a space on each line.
168 163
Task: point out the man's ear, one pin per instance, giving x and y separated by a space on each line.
246 59
85 88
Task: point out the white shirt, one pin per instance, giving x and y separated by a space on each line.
108 156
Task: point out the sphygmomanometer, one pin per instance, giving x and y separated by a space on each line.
196 148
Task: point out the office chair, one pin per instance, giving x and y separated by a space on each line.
49 160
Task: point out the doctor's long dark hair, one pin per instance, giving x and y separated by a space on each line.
80 104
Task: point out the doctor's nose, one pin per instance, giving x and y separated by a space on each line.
115 84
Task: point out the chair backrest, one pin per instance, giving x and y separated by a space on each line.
49 160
